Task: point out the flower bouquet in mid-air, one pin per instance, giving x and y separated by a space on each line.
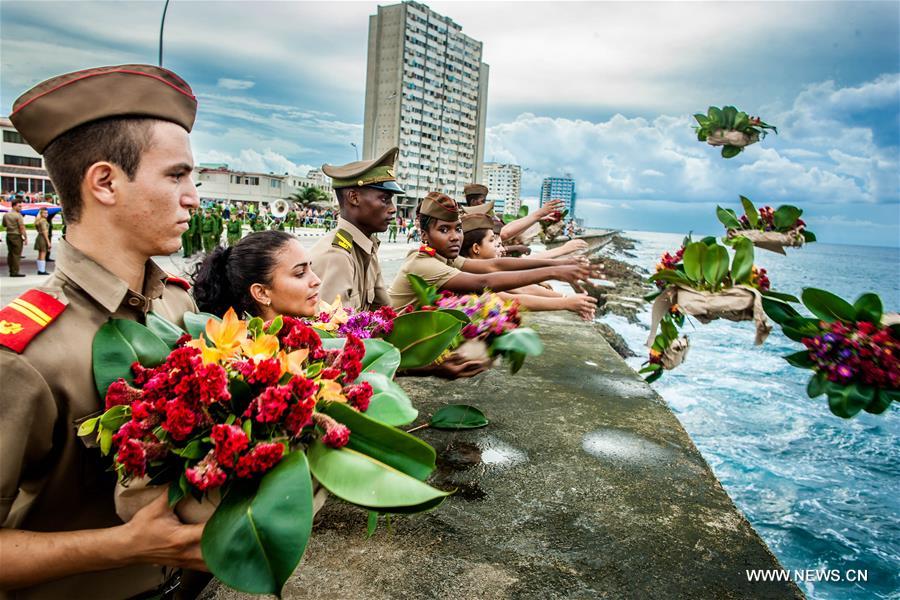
243 420
853 350
488 325
730 128
768 228
701 280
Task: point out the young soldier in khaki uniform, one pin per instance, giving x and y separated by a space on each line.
346 259
16 238
115 141
476 201
438 261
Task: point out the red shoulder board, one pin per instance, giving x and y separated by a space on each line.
26 316
182 283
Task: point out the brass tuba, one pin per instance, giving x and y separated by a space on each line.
278 209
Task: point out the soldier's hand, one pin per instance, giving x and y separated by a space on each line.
575 246
583 305
159 538
549 208
455 367
573 273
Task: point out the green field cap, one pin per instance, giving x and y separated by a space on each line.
377 173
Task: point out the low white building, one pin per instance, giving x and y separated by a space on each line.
504 183
219 183
22 169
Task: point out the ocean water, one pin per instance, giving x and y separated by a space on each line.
823 492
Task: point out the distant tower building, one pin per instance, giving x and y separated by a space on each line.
504 184
426 92
559 188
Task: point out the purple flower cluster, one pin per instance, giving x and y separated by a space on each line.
856 352
365 324
490 316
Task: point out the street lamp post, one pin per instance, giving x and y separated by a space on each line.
162 25
356 149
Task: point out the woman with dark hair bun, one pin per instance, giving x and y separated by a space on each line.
265 274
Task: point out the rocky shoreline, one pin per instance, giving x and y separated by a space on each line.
621 291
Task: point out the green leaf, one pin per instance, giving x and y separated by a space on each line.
816 386
701 119
808 236
868 308
259 532
371 524
276 325
522 339
425 294
323 335
741 121
195 322
881 402
778 311
167 331
115 417
384 443
192 451
779 296
728 218
111 357
715 264
729 113
463 318
785 216
671 276
389 404
149 348
693 260
800 359
178 490
458 416
669 331
742 263
750 211
381 357
255 326
729 151
88 427
654 376
827 306
106 436
715 116
362 480
422 336
847 400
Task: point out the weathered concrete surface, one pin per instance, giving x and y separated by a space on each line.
584 485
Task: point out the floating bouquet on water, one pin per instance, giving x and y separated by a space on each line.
852 349
252 411
702 281
768 228
488 325
730 128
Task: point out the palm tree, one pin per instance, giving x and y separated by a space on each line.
309 195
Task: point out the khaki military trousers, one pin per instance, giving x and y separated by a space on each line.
14 255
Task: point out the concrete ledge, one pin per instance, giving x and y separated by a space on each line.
584 485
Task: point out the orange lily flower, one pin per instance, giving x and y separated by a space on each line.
228 334
292 362
263 347
330 391
336 312
209 355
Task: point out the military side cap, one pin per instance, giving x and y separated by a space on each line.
473 222
64 102
440 206
482 209
475 188
377 173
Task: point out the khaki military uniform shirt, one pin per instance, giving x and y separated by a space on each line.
12 222
435 270
49 480
352 273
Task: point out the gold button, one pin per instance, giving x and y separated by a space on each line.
360 183
134 301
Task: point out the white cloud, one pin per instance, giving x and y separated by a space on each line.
235 84
256 162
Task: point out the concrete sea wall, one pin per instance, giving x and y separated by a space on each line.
584 485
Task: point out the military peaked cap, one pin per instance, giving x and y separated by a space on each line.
377 173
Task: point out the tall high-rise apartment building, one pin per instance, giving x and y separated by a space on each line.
559 188
504 184
426 92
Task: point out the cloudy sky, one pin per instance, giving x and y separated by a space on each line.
601 90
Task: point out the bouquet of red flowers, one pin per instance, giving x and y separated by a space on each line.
768 228
236 409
